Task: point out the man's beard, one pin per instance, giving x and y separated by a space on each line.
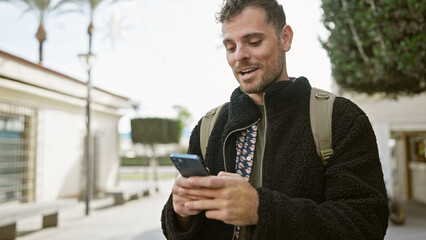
272 71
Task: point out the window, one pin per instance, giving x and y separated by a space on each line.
418 148
17 150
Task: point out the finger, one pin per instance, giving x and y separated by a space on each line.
224 217
192 195
179 206
184 211
207 204
194 198
215 214
182 181
191 182
206 182
228 174
175 189
200 193
187 197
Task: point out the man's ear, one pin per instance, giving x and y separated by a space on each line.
286 37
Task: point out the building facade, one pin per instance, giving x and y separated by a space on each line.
400 127
42 134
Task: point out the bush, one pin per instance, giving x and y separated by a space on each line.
144 161
155 130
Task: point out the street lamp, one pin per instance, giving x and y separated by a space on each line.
88 60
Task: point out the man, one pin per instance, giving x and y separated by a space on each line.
289 194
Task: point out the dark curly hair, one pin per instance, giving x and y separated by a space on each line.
274 11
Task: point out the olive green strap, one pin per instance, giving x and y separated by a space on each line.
207 124
321 110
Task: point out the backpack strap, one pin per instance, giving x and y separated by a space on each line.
207 124
321 110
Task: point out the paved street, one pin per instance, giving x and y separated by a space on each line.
135 220
140 220
414 227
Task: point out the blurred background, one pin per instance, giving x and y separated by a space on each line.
96 94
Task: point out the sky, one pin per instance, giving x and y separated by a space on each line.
164 53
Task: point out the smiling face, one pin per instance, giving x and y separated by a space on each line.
254 51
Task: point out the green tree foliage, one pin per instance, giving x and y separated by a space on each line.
92 6
377 46
41 9
153 131
183 115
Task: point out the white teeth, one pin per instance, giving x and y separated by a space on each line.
248 70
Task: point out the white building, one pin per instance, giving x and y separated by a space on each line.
400 127
42 132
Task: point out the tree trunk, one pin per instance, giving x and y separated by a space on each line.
41 36
90 30
153 163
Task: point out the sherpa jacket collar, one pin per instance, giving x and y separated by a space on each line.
282 95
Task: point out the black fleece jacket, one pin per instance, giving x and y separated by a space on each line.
299 198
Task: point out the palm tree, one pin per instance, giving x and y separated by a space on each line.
42 10
93 6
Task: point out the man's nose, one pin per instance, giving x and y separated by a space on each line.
241 53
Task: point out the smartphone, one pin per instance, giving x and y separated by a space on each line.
188 165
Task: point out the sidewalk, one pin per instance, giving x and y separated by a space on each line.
414 227
140 220
135 220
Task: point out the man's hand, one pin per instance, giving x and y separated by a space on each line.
184 214
180 198
226 197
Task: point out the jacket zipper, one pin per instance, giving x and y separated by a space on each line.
263 153
224 158
264 142
226 139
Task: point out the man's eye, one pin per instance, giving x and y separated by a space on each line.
230 49
255 43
